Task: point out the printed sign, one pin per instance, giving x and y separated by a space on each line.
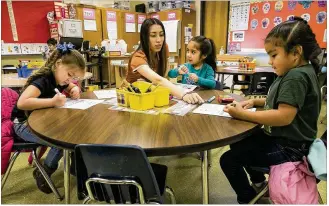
156 16
111 16
141 18
89 14
130 18
171 16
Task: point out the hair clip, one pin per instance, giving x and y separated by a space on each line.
65 48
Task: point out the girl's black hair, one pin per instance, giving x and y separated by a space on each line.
296 32
207 47
145 45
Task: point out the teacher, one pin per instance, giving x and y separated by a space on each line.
149 61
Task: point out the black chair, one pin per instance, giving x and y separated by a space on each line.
119 174
17 148
236 81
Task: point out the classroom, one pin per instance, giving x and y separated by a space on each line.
163 102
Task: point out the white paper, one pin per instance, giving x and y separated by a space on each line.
105 94
89 25
139 27
180 108
112 29
80 103
187 87
172 34
130 27
214 109
113 102
239 16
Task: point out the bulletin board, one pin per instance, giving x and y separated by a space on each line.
187 19
131 38
31 21
267 13
118 22
94 37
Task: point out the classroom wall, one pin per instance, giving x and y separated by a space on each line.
216 22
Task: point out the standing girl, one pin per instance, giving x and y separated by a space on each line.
201 66
149 62
292 109
63 66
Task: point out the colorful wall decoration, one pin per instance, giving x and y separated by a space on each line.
264 15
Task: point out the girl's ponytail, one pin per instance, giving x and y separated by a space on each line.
211 57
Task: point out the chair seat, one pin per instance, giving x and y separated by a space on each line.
21 145
241 82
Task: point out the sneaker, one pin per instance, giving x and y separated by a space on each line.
41 181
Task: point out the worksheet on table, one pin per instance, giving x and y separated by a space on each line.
80 103
214 109
105 94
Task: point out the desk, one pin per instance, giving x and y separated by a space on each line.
12 80
118 75
236 71
158 135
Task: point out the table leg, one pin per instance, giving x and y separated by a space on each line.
204 167
222 80
67 185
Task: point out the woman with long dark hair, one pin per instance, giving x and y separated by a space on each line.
149 61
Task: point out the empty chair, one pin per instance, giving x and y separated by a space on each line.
119 174
261 82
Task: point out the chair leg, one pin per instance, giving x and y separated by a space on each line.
171 194
259 195
232 88
11 163
86 200
45 175
320 199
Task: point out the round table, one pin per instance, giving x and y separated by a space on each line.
162 134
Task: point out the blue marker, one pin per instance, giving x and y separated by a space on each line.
210 99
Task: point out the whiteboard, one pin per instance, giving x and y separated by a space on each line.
172 34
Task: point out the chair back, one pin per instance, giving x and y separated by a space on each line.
261 82
115 174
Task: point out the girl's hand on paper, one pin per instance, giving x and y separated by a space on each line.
193 98
59 100
235 109
75 92
183 70
247 104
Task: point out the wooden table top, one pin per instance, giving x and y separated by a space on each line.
12 79
235 70
162 134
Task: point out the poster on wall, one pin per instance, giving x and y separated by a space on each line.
140 19
89 19
239 16
156 16
11 49
111 25
171 16
130 23
238 36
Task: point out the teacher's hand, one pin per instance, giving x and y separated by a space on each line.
193 98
